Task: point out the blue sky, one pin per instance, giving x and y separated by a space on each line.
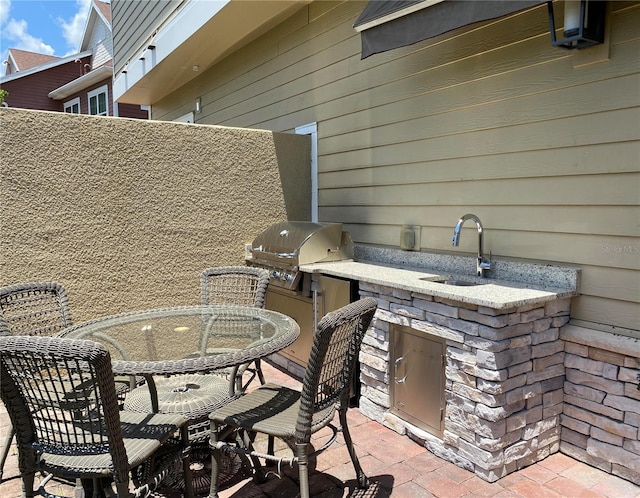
52 27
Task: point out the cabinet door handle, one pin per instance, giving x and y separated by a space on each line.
395 377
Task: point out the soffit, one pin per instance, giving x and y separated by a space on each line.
84 81
153 75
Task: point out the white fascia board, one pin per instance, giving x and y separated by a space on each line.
94 14
185 23
395 15
90 20
13 61
84 81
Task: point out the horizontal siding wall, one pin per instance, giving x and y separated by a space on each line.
490 119
134 23
101 44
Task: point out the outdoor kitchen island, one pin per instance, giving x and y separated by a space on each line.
502 362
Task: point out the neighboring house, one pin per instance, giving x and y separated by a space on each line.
482 116
80 83
21 60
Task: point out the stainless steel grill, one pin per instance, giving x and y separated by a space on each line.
284 247
306 297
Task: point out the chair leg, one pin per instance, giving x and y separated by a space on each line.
256 371
363 480
216 457
186 462
27 466
271 450
122 489
303 469
259 372
28 480
6 448
247 441
94 488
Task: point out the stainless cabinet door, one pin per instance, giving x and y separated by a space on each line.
301 310
417 378
329 293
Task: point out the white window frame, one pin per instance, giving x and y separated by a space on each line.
70 104
311 129
185 118
95 93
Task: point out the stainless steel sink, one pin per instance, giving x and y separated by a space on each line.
453 281
459 283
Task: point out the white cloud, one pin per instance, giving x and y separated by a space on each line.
17 31
5 7
73 28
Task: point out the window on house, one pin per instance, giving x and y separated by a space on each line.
73 106
98 100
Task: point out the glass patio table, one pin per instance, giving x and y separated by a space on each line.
178 344
187 339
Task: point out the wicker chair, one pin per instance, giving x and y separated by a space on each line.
237 285
61 398
294 416
197 395
33 308
242 285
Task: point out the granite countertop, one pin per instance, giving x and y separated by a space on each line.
493 293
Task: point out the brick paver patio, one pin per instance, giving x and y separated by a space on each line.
398 468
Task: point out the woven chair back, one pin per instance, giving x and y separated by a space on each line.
61 397
34 308
241 285
229 330
334 353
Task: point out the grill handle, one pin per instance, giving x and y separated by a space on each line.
316 308
286 254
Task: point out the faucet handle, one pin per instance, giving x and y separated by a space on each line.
487 265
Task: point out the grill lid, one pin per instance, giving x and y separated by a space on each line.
302 242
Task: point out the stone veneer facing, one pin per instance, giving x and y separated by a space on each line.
504 377
601 415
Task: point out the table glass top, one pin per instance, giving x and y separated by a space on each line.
188 339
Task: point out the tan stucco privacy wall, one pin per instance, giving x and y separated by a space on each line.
126 213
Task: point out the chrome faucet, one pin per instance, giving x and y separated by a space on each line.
481 265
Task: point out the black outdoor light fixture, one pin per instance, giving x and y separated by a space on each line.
583 23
